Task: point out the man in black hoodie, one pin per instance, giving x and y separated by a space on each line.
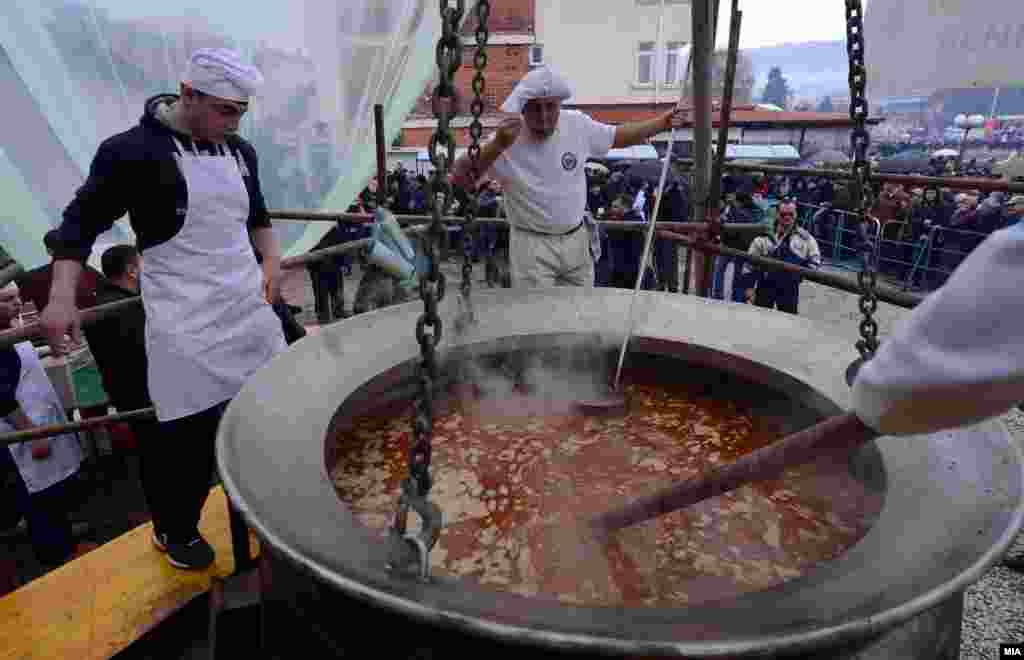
118 343
190 186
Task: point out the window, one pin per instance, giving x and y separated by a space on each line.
675 64
536 55
645 63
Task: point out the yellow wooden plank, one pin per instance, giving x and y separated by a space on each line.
99 604
50 617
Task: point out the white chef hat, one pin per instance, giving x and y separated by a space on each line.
221 72
541 83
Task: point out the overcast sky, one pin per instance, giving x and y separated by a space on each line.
771 22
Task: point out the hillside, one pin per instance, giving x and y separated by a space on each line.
814 69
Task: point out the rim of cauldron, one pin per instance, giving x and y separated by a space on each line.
286 481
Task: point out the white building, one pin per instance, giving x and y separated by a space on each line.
615 50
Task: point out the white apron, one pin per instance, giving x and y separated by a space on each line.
208 326
40 402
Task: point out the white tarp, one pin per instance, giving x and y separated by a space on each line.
73 72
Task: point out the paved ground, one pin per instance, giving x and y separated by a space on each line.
994 610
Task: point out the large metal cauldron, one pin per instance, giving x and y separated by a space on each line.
953 500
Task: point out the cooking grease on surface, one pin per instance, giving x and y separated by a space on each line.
518 477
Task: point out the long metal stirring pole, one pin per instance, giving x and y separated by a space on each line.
648 241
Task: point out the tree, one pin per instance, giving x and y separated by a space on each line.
743 83
777 90
826 105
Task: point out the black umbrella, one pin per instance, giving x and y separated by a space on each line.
649 171
905 162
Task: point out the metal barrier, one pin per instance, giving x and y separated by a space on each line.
923 256
94 314
837 247
954 183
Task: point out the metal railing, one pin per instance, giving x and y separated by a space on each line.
670 232
953 183
845 227
929 258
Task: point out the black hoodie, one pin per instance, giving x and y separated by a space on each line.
135 172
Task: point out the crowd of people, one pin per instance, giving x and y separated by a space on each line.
208 269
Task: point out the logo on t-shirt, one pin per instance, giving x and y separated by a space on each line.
569 161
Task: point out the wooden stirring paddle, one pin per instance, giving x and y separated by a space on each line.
836 433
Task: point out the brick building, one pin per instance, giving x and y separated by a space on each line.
512 27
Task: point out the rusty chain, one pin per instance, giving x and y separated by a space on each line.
483 12
416 487
861 190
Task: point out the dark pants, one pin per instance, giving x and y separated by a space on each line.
666 257
328 291
47 514
176 466
784 295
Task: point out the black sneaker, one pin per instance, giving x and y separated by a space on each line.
197 554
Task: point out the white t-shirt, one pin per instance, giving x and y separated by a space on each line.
544 182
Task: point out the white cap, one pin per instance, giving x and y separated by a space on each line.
221 72
541 83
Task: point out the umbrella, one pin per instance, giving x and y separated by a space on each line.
905 161
650 171
830 156
946 153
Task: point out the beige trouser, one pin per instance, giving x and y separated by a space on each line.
539 260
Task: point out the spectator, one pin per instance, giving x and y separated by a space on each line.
990 216
740 209
675 207
823 227
45 468
790 244
34 285
118 343
962 239
626 247
326 277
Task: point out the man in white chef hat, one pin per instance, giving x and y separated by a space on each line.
541 170
190 187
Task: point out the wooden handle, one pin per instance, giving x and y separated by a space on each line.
841 432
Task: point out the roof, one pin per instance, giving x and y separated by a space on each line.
761 152
636 152
742 116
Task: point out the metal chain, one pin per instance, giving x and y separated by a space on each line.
860 140
416 487
444 102
476 108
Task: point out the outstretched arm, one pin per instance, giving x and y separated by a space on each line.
638 132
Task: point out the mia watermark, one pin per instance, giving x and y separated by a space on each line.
1011 650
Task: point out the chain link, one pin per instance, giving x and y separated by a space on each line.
467 316
444 103
860 140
